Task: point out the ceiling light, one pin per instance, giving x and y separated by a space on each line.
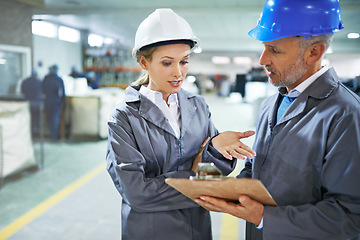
45 29
109 41
198 50
242 60
220 60
2 61
95 40
191 79
329 51
353 35
69 34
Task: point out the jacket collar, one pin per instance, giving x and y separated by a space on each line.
149 111
321 88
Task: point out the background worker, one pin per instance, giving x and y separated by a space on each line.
31 88
308 135
54 91
156 133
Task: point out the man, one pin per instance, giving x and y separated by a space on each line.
307 155
54 90
31 88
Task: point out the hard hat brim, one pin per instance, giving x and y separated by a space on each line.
193 43
266 35
162 43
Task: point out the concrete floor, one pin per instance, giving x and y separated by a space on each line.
73 197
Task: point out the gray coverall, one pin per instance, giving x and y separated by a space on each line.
143 151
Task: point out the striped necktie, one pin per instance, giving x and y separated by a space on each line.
285 103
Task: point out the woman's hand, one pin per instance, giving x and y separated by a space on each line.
229 145
199 156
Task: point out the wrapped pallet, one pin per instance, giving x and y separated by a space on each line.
16 149
89 112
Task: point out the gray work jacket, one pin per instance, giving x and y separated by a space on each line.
310 163
143 151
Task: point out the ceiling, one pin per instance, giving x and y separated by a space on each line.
221 25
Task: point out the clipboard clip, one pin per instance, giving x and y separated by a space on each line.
207 171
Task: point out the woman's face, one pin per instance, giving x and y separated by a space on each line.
167 68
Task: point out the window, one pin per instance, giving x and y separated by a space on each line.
15 65
69 34
45 29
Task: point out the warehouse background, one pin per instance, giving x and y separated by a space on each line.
60 190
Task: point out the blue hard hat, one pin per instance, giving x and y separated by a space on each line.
288 18
54 68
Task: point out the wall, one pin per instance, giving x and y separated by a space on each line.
15 27
347 65
206 67
50 51
202 64
15 44
15 30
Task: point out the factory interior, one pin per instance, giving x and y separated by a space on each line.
59 188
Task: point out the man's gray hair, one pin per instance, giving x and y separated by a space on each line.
305 43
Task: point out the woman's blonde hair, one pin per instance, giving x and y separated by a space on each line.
144 78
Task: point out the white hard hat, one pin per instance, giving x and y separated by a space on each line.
162 27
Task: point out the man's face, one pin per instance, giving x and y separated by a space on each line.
284 62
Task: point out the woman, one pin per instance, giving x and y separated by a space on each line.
156 133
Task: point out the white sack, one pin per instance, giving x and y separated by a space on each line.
17 150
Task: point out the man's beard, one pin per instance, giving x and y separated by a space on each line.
292 74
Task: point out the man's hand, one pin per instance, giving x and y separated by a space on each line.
229 145
248 209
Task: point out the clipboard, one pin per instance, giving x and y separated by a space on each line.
227 188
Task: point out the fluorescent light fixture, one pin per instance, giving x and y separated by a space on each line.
242 60
2 61
45 29
198 50
353 35
109 41
191 79
329 51
95 40
69 34
220 60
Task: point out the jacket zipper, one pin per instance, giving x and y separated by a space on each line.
267 152
178 163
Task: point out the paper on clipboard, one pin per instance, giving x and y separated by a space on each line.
228 189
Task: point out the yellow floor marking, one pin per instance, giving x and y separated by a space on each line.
44 206
229 227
